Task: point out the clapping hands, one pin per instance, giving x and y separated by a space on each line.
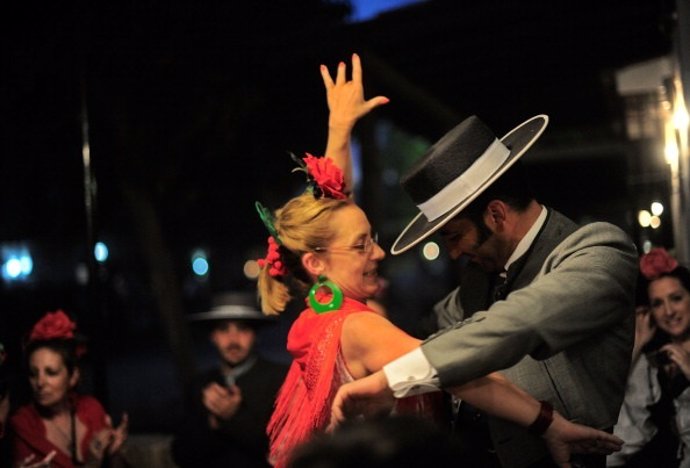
109 440
222 403
29 462
679 357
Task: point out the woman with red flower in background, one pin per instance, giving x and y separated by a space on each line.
58 419
655 416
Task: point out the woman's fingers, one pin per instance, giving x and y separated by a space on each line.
356 69
376 101
326 75
340 77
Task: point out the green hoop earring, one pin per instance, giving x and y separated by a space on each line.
336 296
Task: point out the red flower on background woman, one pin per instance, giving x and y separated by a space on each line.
53 325
327 176
657 262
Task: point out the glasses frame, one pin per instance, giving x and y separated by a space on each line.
364 248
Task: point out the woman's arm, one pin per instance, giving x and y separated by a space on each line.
347 105
369 341
496 395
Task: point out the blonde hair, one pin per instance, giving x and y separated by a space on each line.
303 224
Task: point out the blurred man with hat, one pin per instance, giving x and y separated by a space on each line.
547 301
225 424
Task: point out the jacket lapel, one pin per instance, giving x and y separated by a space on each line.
477 285
556 228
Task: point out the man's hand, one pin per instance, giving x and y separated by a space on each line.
367 397
220 401
564 438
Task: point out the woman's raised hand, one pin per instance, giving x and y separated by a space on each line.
346 97
644 329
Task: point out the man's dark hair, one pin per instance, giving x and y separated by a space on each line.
513 188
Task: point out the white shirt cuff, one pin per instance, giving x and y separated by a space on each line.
411 374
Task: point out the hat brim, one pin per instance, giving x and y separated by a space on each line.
518 140
230 312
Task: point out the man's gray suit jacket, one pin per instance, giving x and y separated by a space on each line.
564 333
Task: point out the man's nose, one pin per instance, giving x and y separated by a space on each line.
454 249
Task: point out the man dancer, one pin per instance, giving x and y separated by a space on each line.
545 300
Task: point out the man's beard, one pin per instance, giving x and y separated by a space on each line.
234 363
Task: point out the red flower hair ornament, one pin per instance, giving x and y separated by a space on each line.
53 325
272 260
57 326
657 262
325 179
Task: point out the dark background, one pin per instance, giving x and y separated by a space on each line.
189 109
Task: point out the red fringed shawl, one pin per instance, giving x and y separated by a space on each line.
303 405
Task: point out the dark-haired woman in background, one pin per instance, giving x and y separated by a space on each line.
58 419
655 418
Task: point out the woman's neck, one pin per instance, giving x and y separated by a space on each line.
55 411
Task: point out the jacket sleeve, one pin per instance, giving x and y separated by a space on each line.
585 286
447 310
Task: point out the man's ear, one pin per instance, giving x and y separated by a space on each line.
313 263
495 215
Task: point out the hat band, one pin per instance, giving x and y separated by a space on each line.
466 183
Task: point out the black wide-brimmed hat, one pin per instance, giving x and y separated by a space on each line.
232 306
457 169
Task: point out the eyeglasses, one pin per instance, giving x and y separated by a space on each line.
363 247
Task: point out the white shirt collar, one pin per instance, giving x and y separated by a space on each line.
528 238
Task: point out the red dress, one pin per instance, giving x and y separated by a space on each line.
29 431
303 405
